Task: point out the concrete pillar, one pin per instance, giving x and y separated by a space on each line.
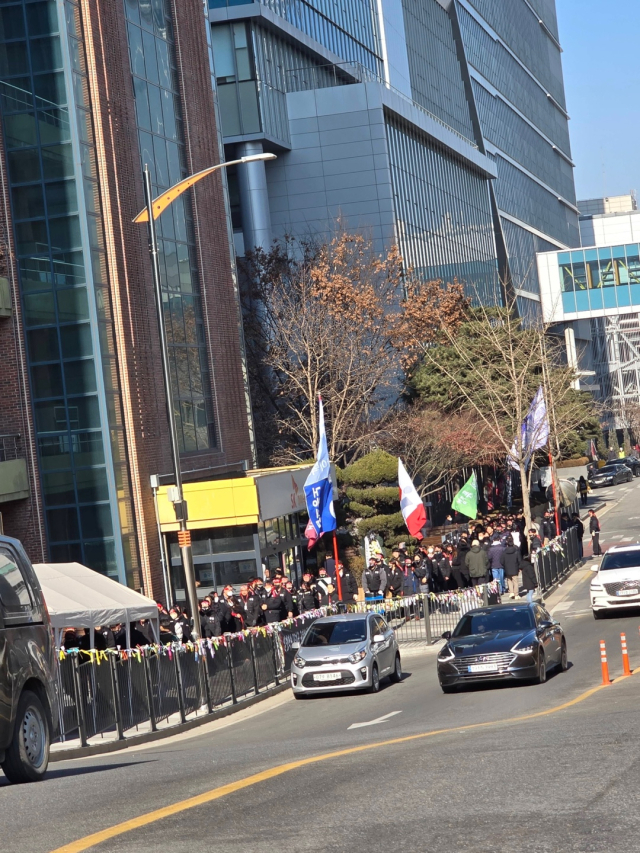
254 199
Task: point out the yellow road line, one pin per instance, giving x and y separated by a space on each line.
95 838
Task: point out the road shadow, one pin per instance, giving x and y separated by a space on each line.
64 772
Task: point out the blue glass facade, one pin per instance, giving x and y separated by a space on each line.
63 280
593 279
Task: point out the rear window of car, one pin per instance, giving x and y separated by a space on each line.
489 621
621 560
336 633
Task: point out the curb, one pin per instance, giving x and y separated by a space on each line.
149 737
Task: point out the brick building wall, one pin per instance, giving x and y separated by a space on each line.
131 284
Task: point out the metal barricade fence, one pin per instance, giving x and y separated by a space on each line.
423 618
557 559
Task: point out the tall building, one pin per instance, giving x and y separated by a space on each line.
437 124
89 93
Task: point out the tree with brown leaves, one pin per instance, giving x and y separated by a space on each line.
336 320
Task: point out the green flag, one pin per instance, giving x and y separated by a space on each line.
466 501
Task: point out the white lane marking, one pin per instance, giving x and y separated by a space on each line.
564 605
578 612
616 537
374 722
627 539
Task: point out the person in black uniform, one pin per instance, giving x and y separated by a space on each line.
272 604
395 580
306 597
594 530
374 580
348 583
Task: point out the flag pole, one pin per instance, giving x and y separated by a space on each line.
335 556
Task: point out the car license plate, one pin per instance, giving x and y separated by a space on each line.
483 667
628 592
327 676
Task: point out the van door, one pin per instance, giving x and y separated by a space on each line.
20 636
5 686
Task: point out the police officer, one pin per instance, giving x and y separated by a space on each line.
374 580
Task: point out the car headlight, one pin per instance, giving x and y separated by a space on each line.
446 654
299 662
356 657
596 587
523 650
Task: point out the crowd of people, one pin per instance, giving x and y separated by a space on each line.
498 548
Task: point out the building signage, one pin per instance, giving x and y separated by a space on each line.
282 492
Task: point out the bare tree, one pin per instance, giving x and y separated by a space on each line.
437 445
336 320
492 367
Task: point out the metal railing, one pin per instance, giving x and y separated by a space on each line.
10 447
164 686
555 561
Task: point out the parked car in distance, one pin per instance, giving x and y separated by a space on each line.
616 585
505 642
28 696
611 474
633 463
350 651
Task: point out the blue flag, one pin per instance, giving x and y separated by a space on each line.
318 490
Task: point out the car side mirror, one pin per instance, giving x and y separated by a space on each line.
295 646
544 626
446 635
378 638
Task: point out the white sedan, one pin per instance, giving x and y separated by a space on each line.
617 583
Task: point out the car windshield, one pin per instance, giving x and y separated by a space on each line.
489 621
621 560
336 633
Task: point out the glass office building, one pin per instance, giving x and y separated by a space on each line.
444 129
595 292
89 94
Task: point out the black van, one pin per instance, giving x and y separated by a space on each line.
28 697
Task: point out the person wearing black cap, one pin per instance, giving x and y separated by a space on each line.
348 583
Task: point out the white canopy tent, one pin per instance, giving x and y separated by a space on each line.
82 598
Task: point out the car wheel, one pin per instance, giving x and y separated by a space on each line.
396 675
27 756
374 687
542 668
564 660
448 688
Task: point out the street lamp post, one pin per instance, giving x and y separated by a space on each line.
152 210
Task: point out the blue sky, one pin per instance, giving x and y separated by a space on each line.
602 82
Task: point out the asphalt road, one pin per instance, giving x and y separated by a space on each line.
563 781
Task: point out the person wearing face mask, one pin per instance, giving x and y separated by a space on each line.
234 620
306 597
325 589
251 605
272 606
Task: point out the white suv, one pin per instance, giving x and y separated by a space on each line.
617 584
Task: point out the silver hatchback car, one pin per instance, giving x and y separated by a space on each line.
350 651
